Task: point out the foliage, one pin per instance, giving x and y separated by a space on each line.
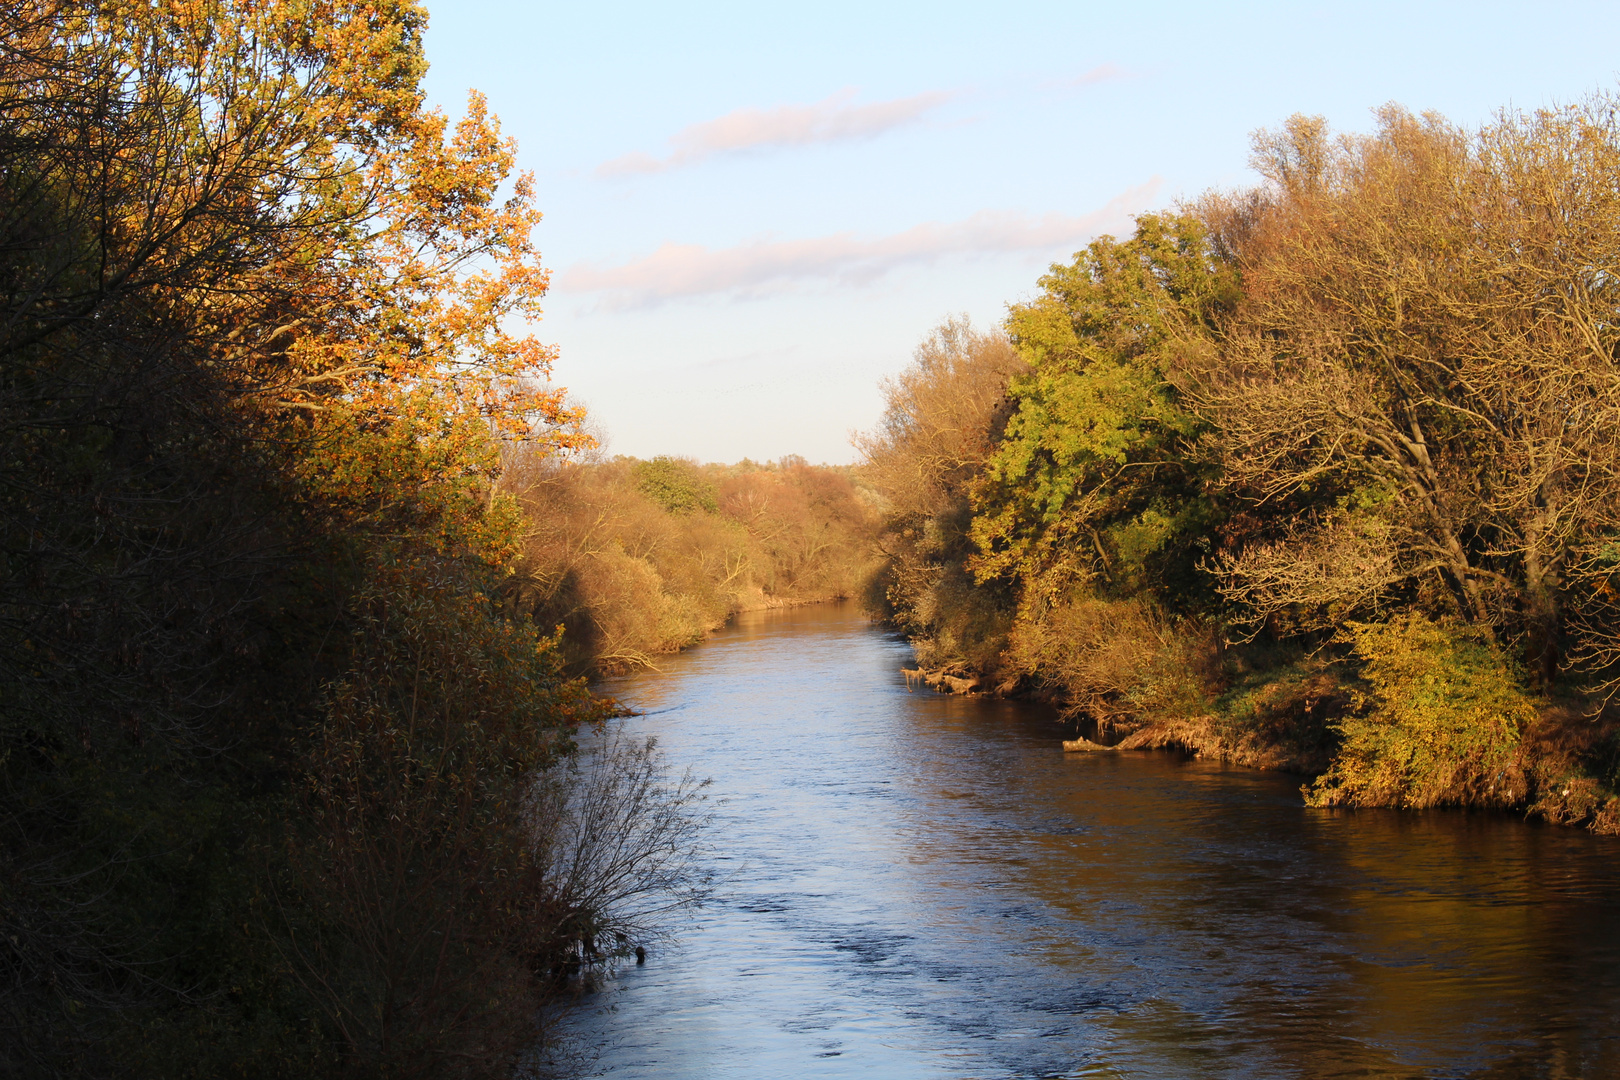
416 915
1439 722
1096 477
1067 468
675 485
632 568
1363 413
1425 354
266 734
811 525
1115 661
1280 706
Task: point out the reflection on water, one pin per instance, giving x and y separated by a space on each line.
915 885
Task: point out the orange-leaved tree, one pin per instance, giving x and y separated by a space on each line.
266 325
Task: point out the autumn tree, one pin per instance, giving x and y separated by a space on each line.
630 569
1321 472
263 712
943 414
1426 356
942 418
1085 512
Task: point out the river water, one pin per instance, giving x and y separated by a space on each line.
912 885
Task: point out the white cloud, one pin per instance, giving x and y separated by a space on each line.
764 266
1098 74
832 120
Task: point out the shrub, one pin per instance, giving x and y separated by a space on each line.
1116 661
1438 724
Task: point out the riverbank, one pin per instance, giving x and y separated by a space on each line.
1559 766
637 560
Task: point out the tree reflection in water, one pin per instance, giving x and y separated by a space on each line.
918 885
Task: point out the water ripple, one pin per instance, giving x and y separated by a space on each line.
925 886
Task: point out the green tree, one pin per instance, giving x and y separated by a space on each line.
675 485
1097 478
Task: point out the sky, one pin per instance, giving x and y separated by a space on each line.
755 212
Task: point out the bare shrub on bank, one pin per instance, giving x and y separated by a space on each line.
619 844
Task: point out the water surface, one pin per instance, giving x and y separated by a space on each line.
916 885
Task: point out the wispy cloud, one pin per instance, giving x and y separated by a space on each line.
1100 74
832 120
684 270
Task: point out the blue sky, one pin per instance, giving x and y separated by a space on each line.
754 212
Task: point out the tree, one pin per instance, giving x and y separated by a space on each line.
1425 357
675 485
1097 476
256 362
942 418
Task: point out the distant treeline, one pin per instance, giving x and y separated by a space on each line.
288 781
633 559
1322 475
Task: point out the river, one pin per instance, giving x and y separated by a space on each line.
913 885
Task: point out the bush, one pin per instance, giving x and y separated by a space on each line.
620 842
1117 661
1439 723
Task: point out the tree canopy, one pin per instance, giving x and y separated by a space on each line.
267 733
1283 454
